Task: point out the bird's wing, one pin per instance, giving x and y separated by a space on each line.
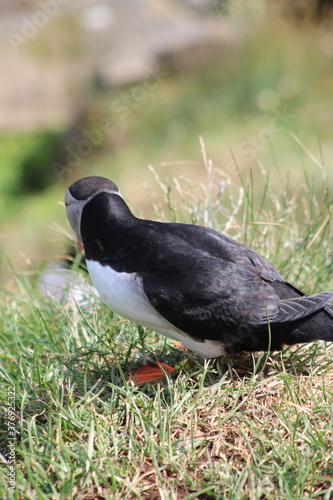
213 284
221 246
231 303
297 308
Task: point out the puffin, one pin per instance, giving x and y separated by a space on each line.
187 282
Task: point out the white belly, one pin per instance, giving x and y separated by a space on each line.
124 295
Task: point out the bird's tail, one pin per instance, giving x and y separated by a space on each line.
318 326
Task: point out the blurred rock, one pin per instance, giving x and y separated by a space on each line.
311 10
55 49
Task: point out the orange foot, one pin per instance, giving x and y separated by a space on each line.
151 372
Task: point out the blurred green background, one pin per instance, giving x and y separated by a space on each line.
108 88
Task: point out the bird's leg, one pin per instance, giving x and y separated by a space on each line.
219 367
220 364
142 335
151 371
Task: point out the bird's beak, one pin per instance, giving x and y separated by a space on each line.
79 243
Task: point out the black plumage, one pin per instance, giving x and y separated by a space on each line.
204 283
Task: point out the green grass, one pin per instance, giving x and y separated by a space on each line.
83 432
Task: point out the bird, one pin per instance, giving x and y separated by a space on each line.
188 282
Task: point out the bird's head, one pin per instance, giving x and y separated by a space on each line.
79 194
